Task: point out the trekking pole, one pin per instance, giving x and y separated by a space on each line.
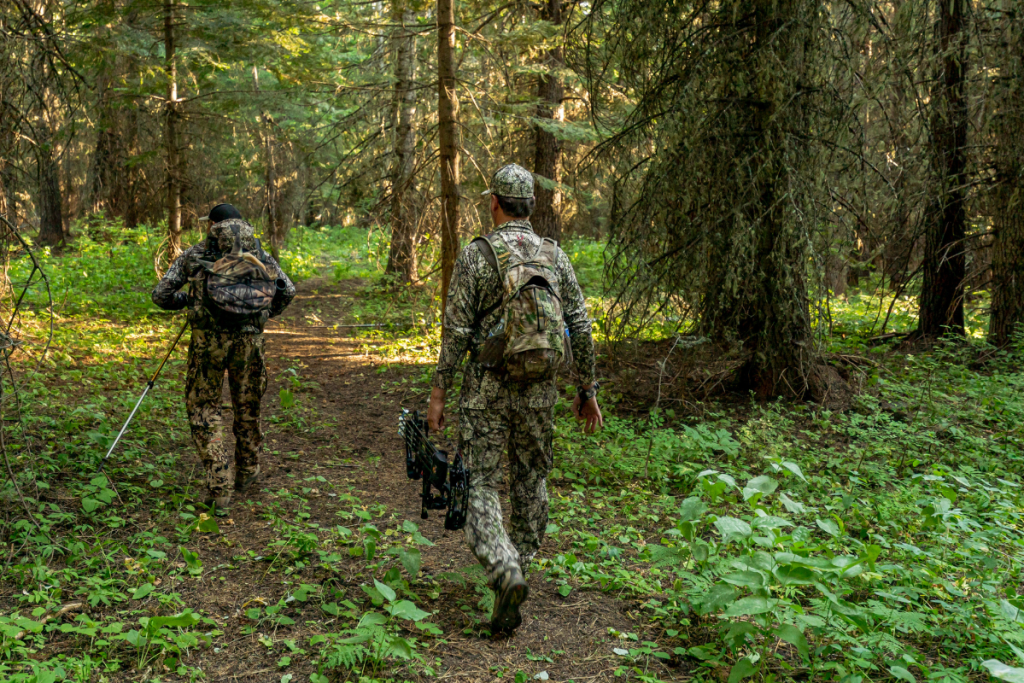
149 385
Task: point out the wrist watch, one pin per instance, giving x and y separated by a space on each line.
587 394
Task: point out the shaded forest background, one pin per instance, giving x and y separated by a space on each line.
744 160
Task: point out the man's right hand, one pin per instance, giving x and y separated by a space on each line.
435 411
589 413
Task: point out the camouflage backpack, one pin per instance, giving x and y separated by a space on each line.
529 342
237 287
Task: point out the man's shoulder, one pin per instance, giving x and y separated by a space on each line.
197 250
473 255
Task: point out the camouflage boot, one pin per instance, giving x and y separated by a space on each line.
245 477
510 591
218 499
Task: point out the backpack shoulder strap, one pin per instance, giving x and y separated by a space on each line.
495 252
488 252
548 252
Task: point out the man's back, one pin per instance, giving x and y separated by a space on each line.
473 309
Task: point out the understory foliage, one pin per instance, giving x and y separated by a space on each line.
748 540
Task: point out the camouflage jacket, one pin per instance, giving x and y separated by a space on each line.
184 270
476 288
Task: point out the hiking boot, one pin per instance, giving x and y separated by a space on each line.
245 478
510 592
218 499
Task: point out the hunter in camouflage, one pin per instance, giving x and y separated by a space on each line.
218 347
494 413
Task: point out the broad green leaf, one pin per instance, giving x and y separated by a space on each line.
692 509
565 590
387 591
828 526
790 575
410 559
794 636
770 522
902 674
738 632
731 526
184 620
1011 611
372 619
142 591
717 596
207 525
1003 672
749 606
91 504
763 484
287 398
794 468
404 609
742 669
792 506
746 579
702 653
400 647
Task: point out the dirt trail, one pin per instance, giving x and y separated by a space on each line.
362 449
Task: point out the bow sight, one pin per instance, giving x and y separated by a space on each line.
425 461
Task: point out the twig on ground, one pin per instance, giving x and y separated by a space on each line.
70 607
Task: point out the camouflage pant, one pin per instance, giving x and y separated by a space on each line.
483 435
209 355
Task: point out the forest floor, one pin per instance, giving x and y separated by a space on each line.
357 450
702 535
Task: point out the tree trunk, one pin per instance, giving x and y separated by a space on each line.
1007 314
104 165
173 150
757 290
8 203
547 220
273 224
51 214
448 116
270 184
941 304
402 253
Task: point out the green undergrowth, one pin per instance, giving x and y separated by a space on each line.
761 541
787 542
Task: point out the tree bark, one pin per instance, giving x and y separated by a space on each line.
104 165
1007 315
8 205
448 116
171 142
941 304
270 185
402 252
547 220
51 204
